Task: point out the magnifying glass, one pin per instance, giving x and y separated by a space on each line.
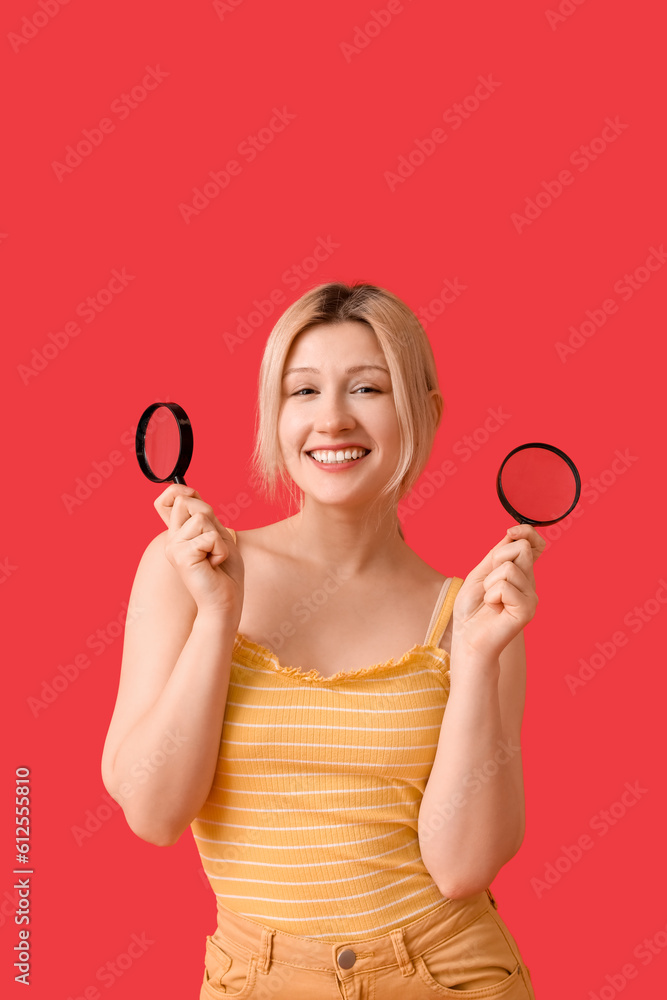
164 443
538 484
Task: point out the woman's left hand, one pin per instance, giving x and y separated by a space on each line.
498 598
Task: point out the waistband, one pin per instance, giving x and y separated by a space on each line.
349 957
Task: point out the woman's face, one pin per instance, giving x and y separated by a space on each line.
333 409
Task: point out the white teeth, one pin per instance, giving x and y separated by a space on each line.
332 457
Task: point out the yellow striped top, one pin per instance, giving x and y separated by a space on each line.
310 825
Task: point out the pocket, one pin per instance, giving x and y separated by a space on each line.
477 961
226 972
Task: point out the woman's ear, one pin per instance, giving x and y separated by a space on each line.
436 401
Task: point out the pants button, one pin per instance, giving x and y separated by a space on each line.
347 958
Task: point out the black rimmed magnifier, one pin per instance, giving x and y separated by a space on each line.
164 443
538 484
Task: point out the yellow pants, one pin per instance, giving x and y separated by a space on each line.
461 948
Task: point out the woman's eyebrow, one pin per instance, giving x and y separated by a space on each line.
348 371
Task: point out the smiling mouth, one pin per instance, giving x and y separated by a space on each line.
343 461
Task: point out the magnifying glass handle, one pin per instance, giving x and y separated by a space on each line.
179 480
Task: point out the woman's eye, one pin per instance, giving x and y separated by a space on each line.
369 388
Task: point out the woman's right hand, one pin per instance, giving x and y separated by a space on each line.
202 551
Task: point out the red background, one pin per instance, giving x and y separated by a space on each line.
67 574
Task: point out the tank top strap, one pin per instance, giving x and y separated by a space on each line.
442 610
231 532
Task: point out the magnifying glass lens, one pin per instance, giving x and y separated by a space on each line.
538 484
538 481
163 442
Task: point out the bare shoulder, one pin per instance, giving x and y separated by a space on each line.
266 538
265 551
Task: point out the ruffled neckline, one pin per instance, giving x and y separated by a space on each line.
266 657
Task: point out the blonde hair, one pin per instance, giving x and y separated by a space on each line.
411 366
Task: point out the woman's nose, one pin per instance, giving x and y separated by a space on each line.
333 412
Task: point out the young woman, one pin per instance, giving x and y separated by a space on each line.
339 722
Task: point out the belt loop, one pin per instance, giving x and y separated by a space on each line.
404 960
266 941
